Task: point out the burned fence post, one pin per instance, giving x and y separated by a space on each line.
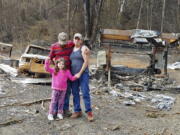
109 65
10 52
166 58
152 61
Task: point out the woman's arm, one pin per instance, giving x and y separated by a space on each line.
47 66
85 55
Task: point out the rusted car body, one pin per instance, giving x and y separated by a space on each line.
32 60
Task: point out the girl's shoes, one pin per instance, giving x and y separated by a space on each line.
60 116
50 117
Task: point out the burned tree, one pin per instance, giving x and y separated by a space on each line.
91 18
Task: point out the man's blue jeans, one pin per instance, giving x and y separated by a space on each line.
67 96
83 84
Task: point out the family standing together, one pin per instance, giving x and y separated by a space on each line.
69 75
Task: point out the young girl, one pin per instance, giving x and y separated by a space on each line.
60 75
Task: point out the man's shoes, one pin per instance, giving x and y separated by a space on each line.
60 116
67 113
76 115
90 116
50 117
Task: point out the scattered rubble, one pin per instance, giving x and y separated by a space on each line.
10 122
31 80
175 66
9 70
163 102
129 103
130 83
134 90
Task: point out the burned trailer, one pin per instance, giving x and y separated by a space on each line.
131 38
32 60
155 48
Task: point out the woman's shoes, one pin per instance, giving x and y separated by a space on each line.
76 115
90 116
67 113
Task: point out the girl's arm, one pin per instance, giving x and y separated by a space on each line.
47 66
70 77
51 54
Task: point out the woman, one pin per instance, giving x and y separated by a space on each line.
79 67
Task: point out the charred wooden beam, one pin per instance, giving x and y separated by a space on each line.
166 59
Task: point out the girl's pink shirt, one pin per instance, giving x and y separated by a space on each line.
59 81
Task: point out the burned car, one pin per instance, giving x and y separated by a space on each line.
32 60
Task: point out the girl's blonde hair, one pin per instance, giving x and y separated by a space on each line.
56 65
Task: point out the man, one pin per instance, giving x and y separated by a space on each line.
63 49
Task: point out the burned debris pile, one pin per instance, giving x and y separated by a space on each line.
136 89
132 84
